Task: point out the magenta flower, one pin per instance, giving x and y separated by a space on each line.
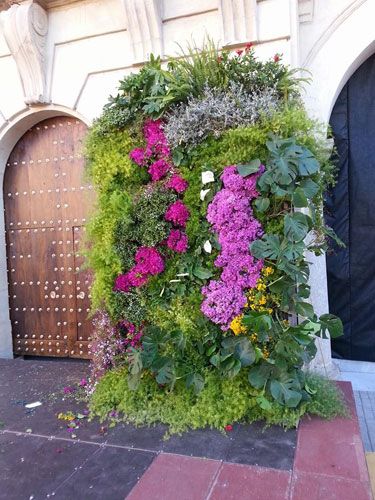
122 283
138 156
158 169
177 183
136 276
177 213
68 390
149 261
177 241
83 382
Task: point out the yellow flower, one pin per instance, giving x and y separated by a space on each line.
267 271
261 286
262 300
253 337
236 325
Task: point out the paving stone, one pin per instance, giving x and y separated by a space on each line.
333 448
34 467
174 476
238 482
109 474
268 447
321 487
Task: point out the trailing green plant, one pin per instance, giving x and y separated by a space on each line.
221 402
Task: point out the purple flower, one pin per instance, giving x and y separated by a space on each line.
68 390
177 213
177 241
177 183
231 216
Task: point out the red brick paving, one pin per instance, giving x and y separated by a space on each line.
320 487
329 465
172 477
242 482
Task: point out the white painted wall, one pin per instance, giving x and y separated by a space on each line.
92 44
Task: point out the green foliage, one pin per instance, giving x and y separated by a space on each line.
218 403
153 90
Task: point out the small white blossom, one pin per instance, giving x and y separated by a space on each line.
207 246
203 193
207 177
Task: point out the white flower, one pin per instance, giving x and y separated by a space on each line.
203 193
207 246
207 177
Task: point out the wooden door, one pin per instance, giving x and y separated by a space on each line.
46 207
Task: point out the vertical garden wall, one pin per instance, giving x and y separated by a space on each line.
210 179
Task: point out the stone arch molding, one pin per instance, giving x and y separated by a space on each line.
338 53
10 134
25 28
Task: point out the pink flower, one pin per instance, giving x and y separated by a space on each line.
122 283
138 156
239 52
149 261
177 213
177 183
228 428
136 276
177 241
83 382
68 390
158 169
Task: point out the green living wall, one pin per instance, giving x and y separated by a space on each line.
210 178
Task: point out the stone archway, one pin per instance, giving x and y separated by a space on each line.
10 134
337 54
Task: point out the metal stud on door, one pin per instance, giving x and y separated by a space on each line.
46 207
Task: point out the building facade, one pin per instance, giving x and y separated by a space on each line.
64 57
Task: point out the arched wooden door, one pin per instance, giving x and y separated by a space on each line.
46 207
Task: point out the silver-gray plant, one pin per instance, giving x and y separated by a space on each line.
217 110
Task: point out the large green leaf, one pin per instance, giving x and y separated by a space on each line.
299 199
304 309
259 375
166 372
196 381
332 324
310 188
135 361
244 352
262 204
246 169
296 226
307 163
267 247
202 273
286 392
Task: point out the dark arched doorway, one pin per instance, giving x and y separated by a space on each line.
46 205
350 210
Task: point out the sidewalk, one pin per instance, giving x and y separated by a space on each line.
39 458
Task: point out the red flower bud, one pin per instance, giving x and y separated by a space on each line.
276 58
228 428
239 52
248 46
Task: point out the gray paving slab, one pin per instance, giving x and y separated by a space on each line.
365 404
